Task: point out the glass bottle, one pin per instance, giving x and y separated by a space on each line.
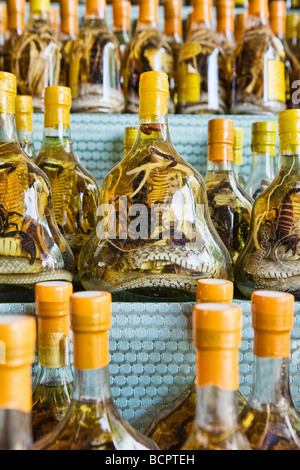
17 352
32 248
238 145
24 126
75 191
129 139
54 386
202 71
230 207
36 56
269 419
69 28
170 429
155 237
270 257
292 33
122 23
225 25
147 51
240 22
278 25
95 65
258 85
3 28
15 28
173 25
263 162
92 421
217 338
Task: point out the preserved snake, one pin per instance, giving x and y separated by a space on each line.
31 246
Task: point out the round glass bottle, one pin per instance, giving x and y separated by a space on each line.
155 237
270 259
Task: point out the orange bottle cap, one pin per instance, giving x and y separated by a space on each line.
272 321
201 11
121 15
278 17
214 290
240 25
16 14
148 11
3 19
220 140
90 311
90 322
69 17
95 7
258 8
54 18
53 291
17 340
217 331
172 15
225 15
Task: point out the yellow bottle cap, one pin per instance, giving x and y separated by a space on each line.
214 290
263 138
272 321
238 145
292 22
217 331
289 128
90 322
24 104
8 91
40 5
220 140
58 102
154 89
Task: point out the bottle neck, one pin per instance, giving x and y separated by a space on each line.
55 377
225 165
92 385
216 407
69 26
225 24
15 430
271 381
153 117
289 159
57 125
8 132
263 165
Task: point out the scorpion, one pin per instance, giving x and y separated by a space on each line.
285 222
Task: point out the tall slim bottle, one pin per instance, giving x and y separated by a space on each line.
154 237
75 191
258 85
270 259
238 156
278 25
17 352
54 386
240 21
147 51
69 28
174 422
32 249
122 23
217 338
92 421
36 56
263 161
95 65
24 124
15 28
230 207
202 72
173 25
270 420
3 28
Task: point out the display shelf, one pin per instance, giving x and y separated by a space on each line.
98 139
152 355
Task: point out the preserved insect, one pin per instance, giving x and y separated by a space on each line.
270 259
202 71
95 65
230 207
37 54
155 237
32 248
258 85
147 51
